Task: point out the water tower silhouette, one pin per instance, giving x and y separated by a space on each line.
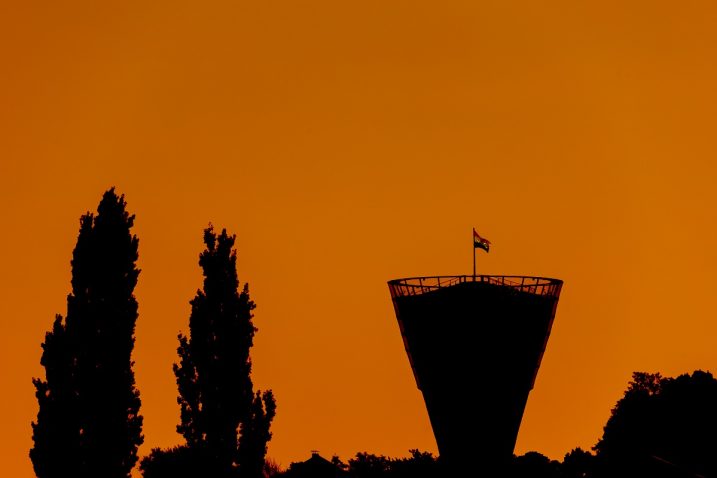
475 344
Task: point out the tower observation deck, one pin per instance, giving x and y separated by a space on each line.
475 344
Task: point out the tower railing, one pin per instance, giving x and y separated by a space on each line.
420 285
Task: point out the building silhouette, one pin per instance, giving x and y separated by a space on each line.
475 344
315 467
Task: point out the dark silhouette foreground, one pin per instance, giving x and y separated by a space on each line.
88 423
367 465
661 428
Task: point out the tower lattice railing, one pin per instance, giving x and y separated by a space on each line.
420 285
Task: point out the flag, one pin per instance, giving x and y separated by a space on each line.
480 242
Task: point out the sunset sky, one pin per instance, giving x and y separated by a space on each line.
348 143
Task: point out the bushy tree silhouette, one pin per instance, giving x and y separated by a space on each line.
177 462
368 465
662 427
578 463
223 422
421 464
533 465
418 465
88 423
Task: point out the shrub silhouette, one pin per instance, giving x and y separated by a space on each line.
88 423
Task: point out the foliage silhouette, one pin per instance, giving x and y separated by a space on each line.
662 427
272 468
177 462
418 465
88 423
578 463
225 424
533 465
367 465
255 435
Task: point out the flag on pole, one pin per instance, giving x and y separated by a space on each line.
480 242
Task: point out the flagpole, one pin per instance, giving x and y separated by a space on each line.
474 255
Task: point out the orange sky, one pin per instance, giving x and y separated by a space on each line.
348 143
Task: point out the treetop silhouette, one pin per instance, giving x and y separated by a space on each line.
225 424
88 423
662 427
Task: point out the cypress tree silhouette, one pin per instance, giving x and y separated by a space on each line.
213 375
255 435
56 433
88 423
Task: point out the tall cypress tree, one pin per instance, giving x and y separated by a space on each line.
213 375
88 424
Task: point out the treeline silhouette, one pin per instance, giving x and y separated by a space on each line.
577 463
364 465
88 423
662 427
